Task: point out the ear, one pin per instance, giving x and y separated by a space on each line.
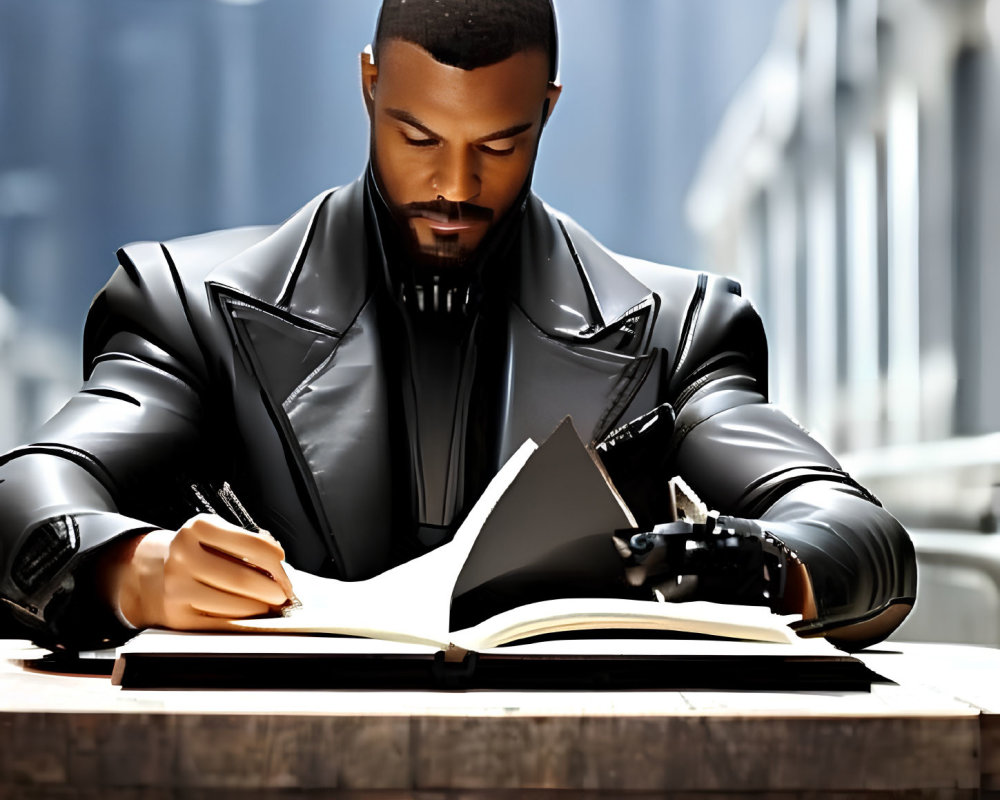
369 77
552 95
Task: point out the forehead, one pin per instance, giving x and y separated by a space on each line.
509 92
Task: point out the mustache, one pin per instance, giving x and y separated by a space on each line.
447 211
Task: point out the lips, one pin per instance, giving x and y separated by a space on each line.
449 217
445 227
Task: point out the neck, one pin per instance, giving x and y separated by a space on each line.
425 288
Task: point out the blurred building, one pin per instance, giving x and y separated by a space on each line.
853 188
124 120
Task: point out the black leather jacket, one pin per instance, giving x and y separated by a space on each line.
254 353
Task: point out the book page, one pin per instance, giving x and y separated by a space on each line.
753 623
409 603
163 642
549 536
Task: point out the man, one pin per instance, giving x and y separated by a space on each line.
359 373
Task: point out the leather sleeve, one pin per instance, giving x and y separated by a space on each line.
746 458
93 472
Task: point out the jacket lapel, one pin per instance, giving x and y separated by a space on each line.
578 335
298 311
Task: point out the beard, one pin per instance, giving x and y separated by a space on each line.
434 251
442 257
439 250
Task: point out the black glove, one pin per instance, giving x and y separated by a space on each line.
724 560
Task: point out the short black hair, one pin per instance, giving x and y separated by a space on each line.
471 33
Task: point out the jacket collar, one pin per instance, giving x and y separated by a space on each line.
570 286
311 278
313 267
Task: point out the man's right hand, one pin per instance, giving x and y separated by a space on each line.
197 578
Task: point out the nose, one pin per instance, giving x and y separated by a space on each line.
457 177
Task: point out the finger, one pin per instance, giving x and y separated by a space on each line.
223 572
276 570
212 602
272 571
257 550
284 581
243 544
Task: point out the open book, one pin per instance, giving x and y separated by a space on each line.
533 557
532 566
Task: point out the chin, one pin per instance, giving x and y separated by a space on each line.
444 255
438 262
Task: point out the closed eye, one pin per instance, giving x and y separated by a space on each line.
419 142
493 150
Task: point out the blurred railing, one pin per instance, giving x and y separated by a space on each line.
853 188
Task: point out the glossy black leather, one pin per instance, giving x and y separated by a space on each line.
252 354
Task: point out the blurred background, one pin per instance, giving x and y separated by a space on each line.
836 156
123 120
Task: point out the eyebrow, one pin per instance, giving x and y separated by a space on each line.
409 119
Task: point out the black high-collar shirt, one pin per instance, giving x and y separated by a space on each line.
445 361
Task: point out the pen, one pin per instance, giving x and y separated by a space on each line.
232 503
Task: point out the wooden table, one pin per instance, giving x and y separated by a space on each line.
936 733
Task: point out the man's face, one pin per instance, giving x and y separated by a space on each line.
453 147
